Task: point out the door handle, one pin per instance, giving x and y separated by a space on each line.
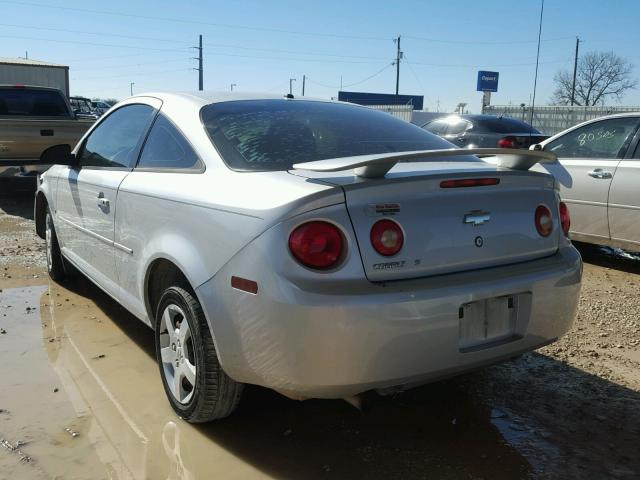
600 173
103 202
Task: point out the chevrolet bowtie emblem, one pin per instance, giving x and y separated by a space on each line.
476 217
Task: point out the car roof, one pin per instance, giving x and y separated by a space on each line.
200 99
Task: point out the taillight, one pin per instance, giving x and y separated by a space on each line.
544 221
386 237
507 142
565 218
316 244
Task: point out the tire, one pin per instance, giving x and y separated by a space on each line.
55 262
194 382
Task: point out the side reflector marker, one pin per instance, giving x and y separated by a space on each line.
244 284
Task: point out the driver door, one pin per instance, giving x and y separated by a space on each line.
87 193
591 155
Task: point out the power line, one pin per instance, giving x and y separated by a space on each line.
195 22
186 43
75 42
84 32
493 65
289 59
474 42
535 78
107 67
143 74
309 79
414 73
316 54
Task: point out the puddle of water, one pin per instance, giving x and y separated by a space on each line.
75 360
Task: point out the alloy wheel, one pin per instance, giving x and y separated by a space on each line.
177 353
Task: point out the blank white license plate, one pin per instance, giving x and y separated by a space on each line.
487 322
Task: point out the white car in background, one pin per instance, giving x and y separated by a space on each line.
599 176
317 248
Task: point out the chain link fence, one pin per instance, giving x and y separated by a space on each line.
553 119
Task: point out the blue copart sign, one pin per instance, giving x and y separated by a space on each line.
487 81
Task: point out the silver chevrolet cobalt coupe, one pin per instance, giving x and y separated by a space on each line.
317 248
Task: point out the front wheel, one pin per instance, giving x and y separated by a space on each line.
196 386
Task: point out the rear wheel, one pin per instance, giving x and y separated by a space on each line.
196 386
55 262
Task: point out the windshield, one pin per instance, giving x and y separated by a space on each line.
266 135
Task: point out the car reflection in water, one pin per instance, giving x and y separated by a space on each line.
102 361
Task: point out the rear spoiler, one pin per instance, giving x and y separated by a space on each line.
377 165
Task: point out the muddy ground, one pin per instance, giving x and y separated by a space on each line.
81 397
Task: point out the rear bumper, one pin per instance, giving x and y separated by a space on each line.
332 345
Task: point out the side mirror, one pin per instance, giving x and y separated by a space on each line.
537 147
58 155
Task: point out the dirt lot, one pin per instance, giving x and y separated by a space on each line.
81 397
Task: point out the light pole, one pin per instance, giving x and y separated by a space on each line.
131 87
291 80
233 85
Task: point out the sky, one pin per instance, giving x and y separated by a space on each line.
259 45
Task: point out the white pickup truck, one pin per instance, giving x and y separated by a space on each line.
31 120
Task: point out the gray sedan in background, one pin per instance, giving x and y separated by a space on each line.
599 176
486 131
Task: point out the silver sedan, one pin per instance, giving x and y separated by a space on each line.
317 248
599 176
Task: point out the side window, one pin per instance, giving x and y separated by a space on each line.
439 127
459 127
166 148
114 142
606 139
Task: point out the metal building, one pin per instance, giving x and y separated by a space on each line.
20 71
369 99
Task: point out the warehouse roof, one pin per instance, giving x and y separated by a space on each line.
24 61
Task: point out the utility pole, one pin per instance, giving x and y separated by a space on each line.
291 80
575 71
199 69
398 57
304 80
535 78
233 85
131 87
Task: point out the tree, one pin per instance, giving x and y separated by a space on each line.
600 76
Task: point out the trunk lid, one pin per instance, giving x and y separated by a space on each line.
450 230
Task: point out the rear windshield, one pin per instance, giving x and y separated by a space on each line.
36 103
268 135
505 125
